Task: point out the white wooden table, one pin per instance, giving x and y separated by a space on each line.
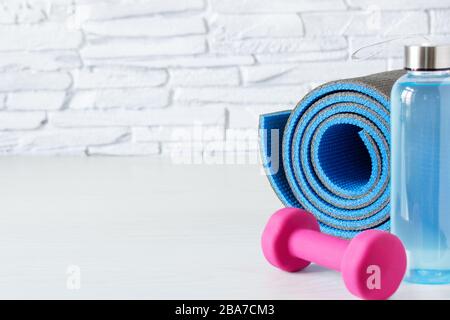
142 228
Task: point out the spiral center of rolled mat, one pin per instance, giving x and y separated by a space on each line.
344 158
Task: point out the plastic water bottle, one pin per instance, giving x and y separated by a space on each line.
420 163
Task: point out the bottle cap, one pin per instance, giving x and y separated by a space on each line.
427 57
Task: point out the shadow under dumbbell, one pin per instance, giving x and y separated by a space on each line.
314 268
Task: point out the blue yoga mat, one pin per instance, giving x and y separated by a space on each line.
330 155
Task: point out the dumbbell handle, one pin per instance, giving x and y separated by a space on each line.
317 247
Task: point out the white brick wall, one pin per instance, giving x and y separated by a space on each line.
136 77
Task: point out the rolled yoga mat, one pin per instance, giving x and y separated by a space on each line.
334 154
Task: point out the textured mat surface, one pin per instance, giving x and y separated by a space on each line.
330 155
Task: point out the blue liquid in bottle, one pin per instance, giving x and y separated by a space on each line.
420 173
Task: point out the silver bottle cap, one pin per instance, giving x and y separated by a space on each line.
427 57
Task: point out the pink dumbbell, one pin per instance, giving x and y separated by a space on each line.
372 264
